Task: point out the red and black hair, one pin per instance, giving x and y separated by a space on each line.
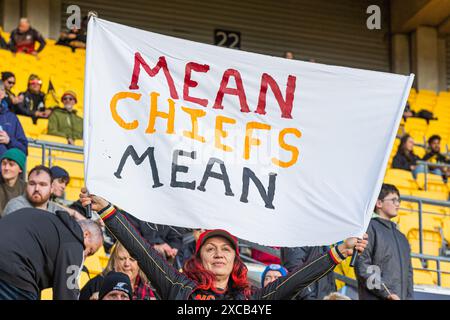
205 279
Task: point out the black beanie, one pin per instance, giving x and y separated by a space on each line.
116 281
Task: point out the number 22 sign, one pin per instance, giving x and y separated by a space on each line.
228 39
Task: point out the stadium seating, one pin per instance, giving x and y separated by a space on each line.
66 71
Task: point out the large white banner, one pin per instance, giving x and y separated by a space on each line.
276 151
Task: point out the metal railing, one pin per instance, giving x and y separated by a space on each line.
48 147
430 164
421 202
424 258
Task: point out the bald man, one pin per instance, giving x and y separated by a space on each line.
24 37
41 250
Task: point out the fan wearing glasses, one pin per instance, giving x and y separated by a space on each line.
33 104
65 122
384 269
8 81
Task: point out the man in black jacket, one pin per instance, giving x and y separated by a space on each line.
42 250
384 269
291 258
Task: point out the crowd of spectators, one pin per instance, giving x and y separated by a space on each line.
144 258
406 159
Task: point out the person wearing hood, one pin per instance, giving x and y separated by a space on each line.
11 130
65 122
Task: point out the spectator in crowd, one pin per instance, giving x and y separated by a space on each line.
65 122
9 80
336 296
74 38
61 179
116 286
271 273
120 261
405 158
422 114
37 193
11 131
11 184
434 155
167 240
387 256
41 250
291 258
288 55
216 271
33 104
24 37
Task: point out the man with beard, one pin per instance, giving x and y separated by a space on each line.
65 122
37 193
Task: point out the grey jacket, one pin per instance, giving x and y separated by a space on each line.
389 252
21 202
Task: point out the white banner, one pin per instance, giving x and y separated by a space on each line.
276 151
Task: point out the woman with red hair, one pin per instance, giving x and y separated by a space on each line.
215 271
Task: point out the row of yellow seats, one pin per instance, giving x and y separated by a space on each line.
404 180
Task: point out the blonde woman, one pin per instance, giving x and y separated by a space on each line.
120 261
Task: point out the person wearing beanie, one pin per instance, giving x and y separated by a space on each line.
61 179
116 286
271 273
215 271
12 183
64 122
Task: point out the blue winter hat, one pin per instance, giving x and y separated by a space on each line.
273 267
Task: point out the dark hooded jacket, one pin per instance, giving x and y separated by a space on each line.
41 250
385 267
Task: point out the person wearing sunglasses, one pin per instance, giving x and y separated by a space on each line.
33 104
384 270
65 122
8 82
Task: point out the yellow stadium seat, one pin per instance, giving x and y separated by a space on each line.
423 277
47 294
33 130
94 265
345 270
434 182
432 238
434 195
75 169
50 138
401 179
445 277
